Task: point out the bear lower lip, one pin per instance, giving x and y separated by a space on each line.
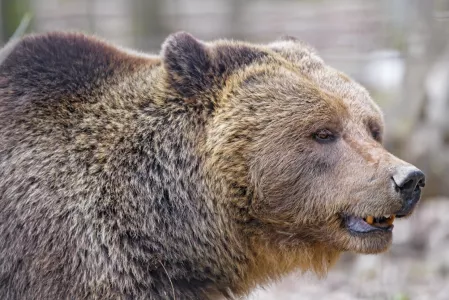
361 225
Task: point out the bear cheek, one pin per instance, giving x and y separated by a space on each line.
289 188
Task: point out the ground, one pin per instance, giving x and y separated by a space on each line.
415 268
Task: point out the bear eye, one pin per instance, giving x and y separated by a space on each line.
324 136
375 133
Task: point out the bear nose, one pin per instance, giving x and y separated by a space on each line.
408 179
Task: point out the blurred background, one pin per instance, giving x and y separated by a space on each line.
399 49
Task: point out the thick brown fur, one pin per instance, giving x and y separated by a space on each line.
190 175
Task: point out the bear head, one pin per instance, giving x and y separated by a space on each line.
297 144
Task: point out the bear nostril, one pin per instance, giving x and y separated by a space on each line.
408 179
422 182
409 185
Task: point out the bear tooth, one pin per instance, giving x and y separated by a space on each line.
387 216
370 220
391 220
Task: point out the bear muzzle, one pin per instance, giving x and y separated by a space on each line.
407 182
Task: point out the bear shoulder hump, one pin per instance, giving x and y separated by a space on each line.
60 64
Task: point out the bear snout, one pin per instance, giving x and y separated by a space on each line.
408 181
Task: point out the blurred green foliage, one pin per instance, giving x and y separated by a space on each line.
12 12
401 296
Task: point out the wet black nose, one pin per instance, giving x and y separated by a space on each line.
408 179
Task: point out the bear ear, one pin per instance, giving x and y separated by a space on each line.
293 49
288 42
286 38
188 64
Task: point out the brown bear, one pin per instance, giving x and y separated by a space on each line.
197 174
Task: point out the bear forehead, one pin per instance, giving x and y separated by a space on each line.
331 81
304 61
356 98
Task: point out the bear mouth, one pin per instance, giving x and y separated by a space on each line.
370 223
